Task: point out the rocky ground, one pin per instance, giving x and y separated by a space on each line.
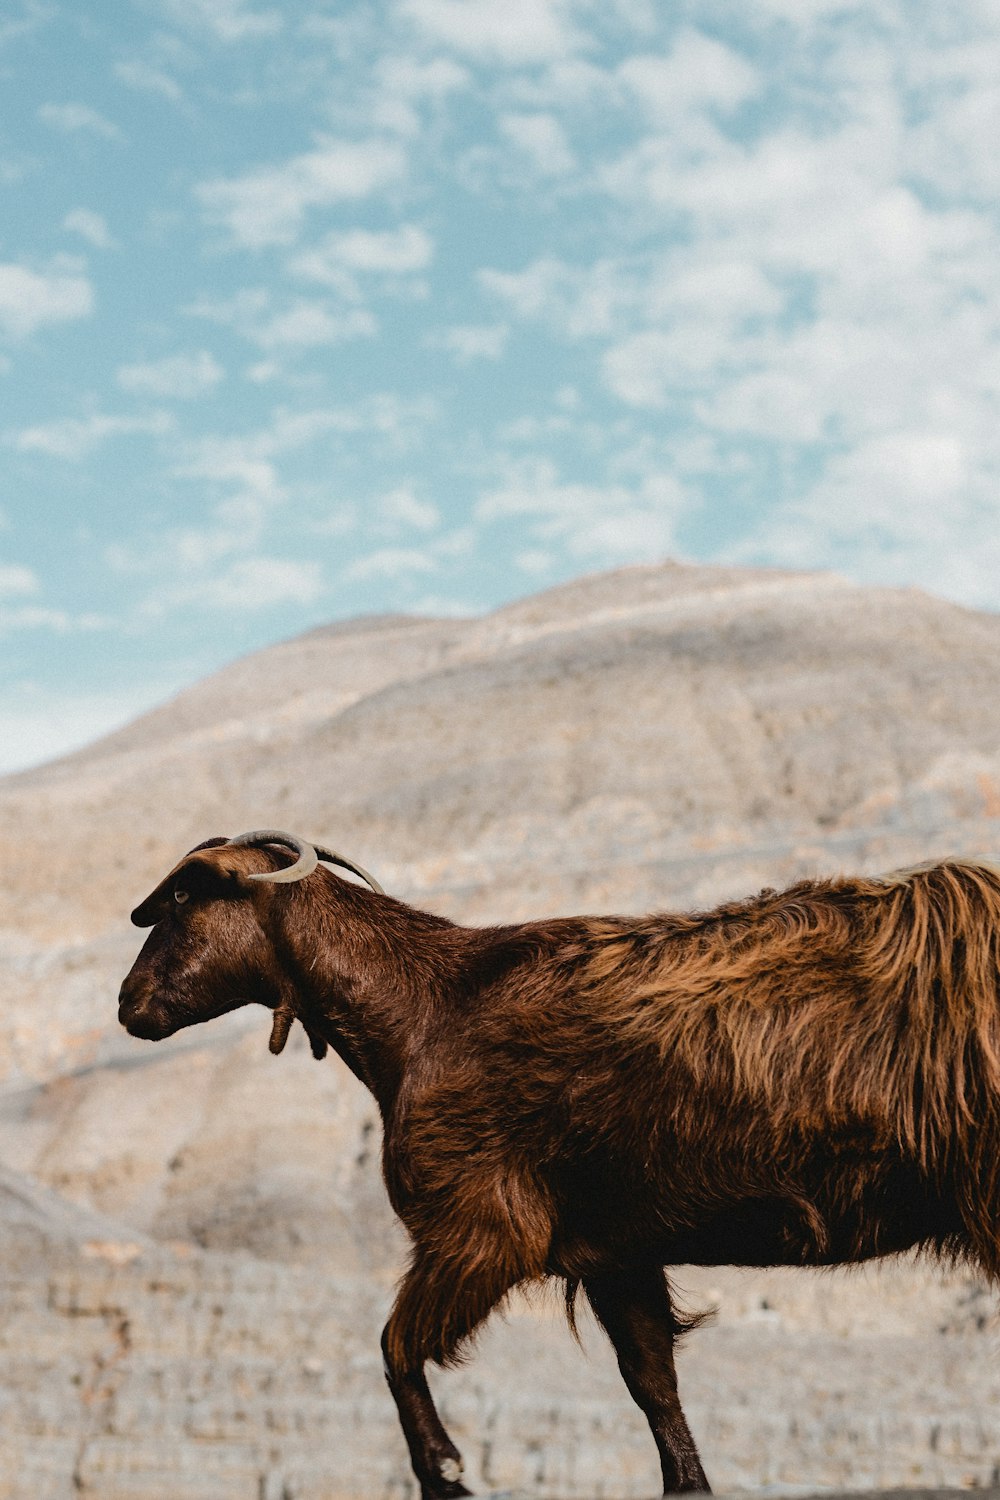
132 1369
197 1255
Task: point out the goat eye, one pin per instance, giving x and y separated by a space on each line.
180 897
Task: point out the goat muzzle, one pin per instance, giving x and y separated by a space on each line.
140 1018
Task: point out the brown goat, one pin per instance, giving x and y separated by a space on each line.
807 1078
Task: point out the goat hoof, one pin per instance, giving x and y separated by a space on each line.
444 1482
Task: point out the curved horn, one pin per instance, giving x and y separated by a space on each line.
329 858
303 866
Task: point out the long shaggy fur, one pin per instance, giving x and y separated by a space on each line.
807 1078
854 1003
859 1014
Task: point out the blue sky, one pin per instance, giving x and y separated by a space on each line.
311 310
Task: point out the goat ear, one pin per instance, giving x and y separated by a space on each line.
149 912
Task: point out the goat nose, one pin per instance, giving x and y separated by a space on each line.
126 1001
138 1017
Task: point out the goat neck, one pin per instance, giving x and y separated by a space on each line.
369 975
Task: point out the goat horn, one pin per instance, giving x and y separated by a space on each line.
329 858
307 860
303 866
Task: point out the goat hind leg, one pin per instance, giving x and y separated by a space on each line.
633 1308
432 1314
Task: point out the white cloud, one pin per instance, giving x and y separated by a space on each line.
31 299
74 438
611 523
73 118
227 20
579 302
382 412
567 85
90 226
535 562
653 367
241 311
640 370
395 418
542 139
243 463
34 14
145 79
392 252
911 489
223 563
268 206
697 72
252 583
964 83
517 32
408 89
469 341
301 324
262 371
306 325
235 527
177 376
414 79
695 285
905 476
700 302
402 507
531 293
802 13
904 507
390 562
806 295
405 84
339 521
17 580
246 470
39 617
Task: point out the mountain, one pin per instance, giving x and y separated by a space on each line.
649 738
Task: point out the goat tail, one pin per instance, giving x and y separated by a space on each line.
619 1297
685 1322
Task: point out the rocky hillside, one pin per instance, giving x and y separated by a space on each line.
651 737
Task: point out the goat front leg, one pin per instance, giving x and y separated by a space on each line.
436 1309
633 1307
436 1461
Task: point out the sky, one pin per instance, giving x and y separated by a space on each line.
312 310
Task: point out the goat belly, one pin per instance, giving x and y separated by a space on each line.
847 1217
837 1208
